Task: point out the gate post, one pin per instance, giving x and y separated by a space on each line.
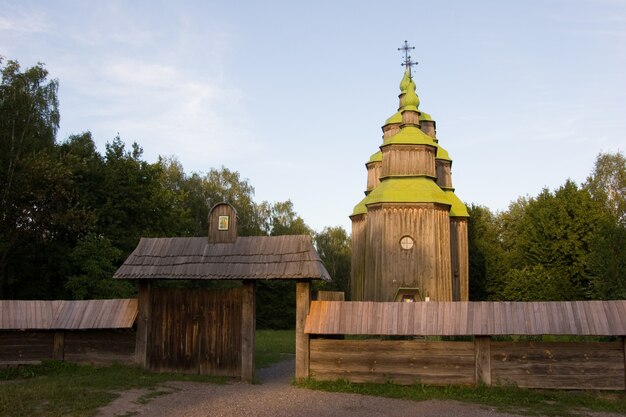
248 327
303 301
143 323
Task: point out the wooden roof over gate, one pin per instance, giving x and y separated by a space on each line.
254 257
466 318
67 315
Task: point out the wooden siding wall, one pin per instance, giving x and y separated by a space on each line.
222 236
390 130
100 347
26 346
402 362
426 266
428 127
460 258
195 331
562 365
357 269
408 160
410 117
82 346
374 170
444 176
547 365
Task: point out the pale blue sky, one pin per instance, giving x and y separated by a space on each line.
292 94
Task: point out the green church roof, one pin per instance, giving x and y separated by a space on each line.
396 118
425 116
360 208
458 209
377 157
407 190
410 135
442 154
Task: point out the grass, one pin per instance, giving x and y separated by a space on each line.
274 346
64 389
504 399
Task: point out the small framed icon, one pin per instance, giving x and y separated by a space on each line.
222 223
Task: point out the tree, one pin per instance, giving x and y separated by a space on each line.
487 264
334 247
29 119
221 185
94 261
553 236
134 200
283 220
607 184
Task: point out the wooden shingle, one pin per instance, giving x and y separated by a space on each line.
254 257
584 318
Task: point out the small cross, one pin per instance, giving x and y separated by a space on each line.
407 58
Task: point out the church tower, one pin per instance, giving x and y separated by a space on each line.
409 233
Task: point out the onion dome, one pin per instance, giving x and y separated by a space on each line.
410 101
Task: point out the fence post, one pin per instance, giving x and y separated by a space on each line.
624 353
303 300
248 327
482 352
143 323
58 349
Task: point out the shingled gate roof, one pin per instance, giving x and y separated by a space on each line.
254 257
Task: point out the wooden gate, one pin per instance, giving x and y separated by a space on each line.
195 331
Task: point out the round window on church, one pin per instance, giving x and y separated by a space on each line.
406 243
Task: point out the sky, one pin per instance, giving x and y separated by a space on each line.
292 95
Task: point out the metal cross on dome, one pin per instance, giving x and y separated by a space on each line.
407 58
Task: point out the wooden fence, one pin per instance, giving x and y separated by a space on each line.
421 358
89 331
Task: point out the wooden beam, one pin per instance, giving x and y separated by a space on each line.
624 353
482 351
58 346
248 327
144 301
303 300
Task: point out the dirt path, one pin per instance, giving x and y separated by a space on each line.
276 397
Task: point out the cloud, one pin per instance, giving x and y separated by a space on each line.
168 111
21 22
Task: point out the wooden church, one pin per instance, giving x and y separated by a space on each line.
409 233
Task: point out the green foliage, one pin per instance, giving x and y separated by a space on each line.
607 184
217 186
533 283
553 238
608 262
283 220
94 259
486 254
335 249
276 305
